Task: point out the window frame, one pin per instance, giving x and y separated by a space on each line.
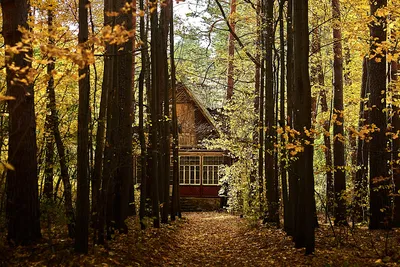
189 169
210 169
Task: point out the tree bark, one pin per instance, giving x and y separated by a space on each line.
54 125
305 215
22 204
231 50
338 131
271 186
361 181
82 199
379 169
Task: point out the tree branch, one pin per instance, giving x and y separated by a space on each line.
255 61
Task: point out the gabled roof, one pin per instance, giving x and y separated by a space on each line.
183 98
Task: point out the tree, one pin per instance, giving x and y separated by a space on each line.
22 182
361 180
82 199
155 116
379 169
123 176
303 167
271 186
53 124
231 50
175 207
338 132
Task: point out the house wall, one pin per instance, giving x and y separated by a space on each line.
186 121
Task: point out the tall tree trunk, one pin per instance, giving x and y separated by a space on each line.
231 50
305 215
154 111
175 138
100 138
319 79
261 119
292 178
164 84
282 117
49 138
54 125
361 180
82 199
132 202
379 169
271 186
22 182
338 132
143 149
124 175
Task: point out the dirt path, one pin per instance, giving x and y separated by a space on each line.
220 239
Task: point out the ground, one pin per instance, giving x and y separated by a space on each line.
216 239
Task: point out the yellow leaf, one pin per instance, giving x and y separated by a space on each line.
6 97
8 166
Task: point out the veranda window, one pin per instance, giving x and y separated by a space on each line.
189 168
211 166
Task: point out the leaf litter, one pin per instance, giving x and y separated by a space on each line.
214 239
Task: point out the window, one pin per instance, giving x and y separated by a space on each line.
189 170
211 165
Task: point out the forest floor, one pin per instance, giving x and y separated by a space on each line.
215 239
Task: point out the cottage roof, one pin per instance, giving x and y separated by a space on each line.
184 94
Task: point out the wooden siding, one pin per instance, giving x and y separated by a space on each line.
186 122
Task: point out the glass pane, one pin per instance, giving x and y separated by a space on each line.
192 174
204 174
181 177
197 174
216 174
187 174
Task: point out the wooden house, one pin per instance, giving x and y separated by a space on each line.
198 166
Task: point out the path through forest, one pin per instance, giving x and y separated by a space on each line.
213 239
220 239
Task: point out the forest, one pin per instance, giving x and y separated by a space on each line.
291 110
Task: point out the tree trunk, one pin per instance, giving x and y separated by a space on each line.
231 50
143 149
292 178
54 124
305 215
261 121
154 111
319 79
271 186
361 180
175 209
100 136
82 199
124 174
282 117
22 182
379 169
338 132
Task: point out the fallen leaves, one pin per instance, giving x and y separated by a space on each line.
215 239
